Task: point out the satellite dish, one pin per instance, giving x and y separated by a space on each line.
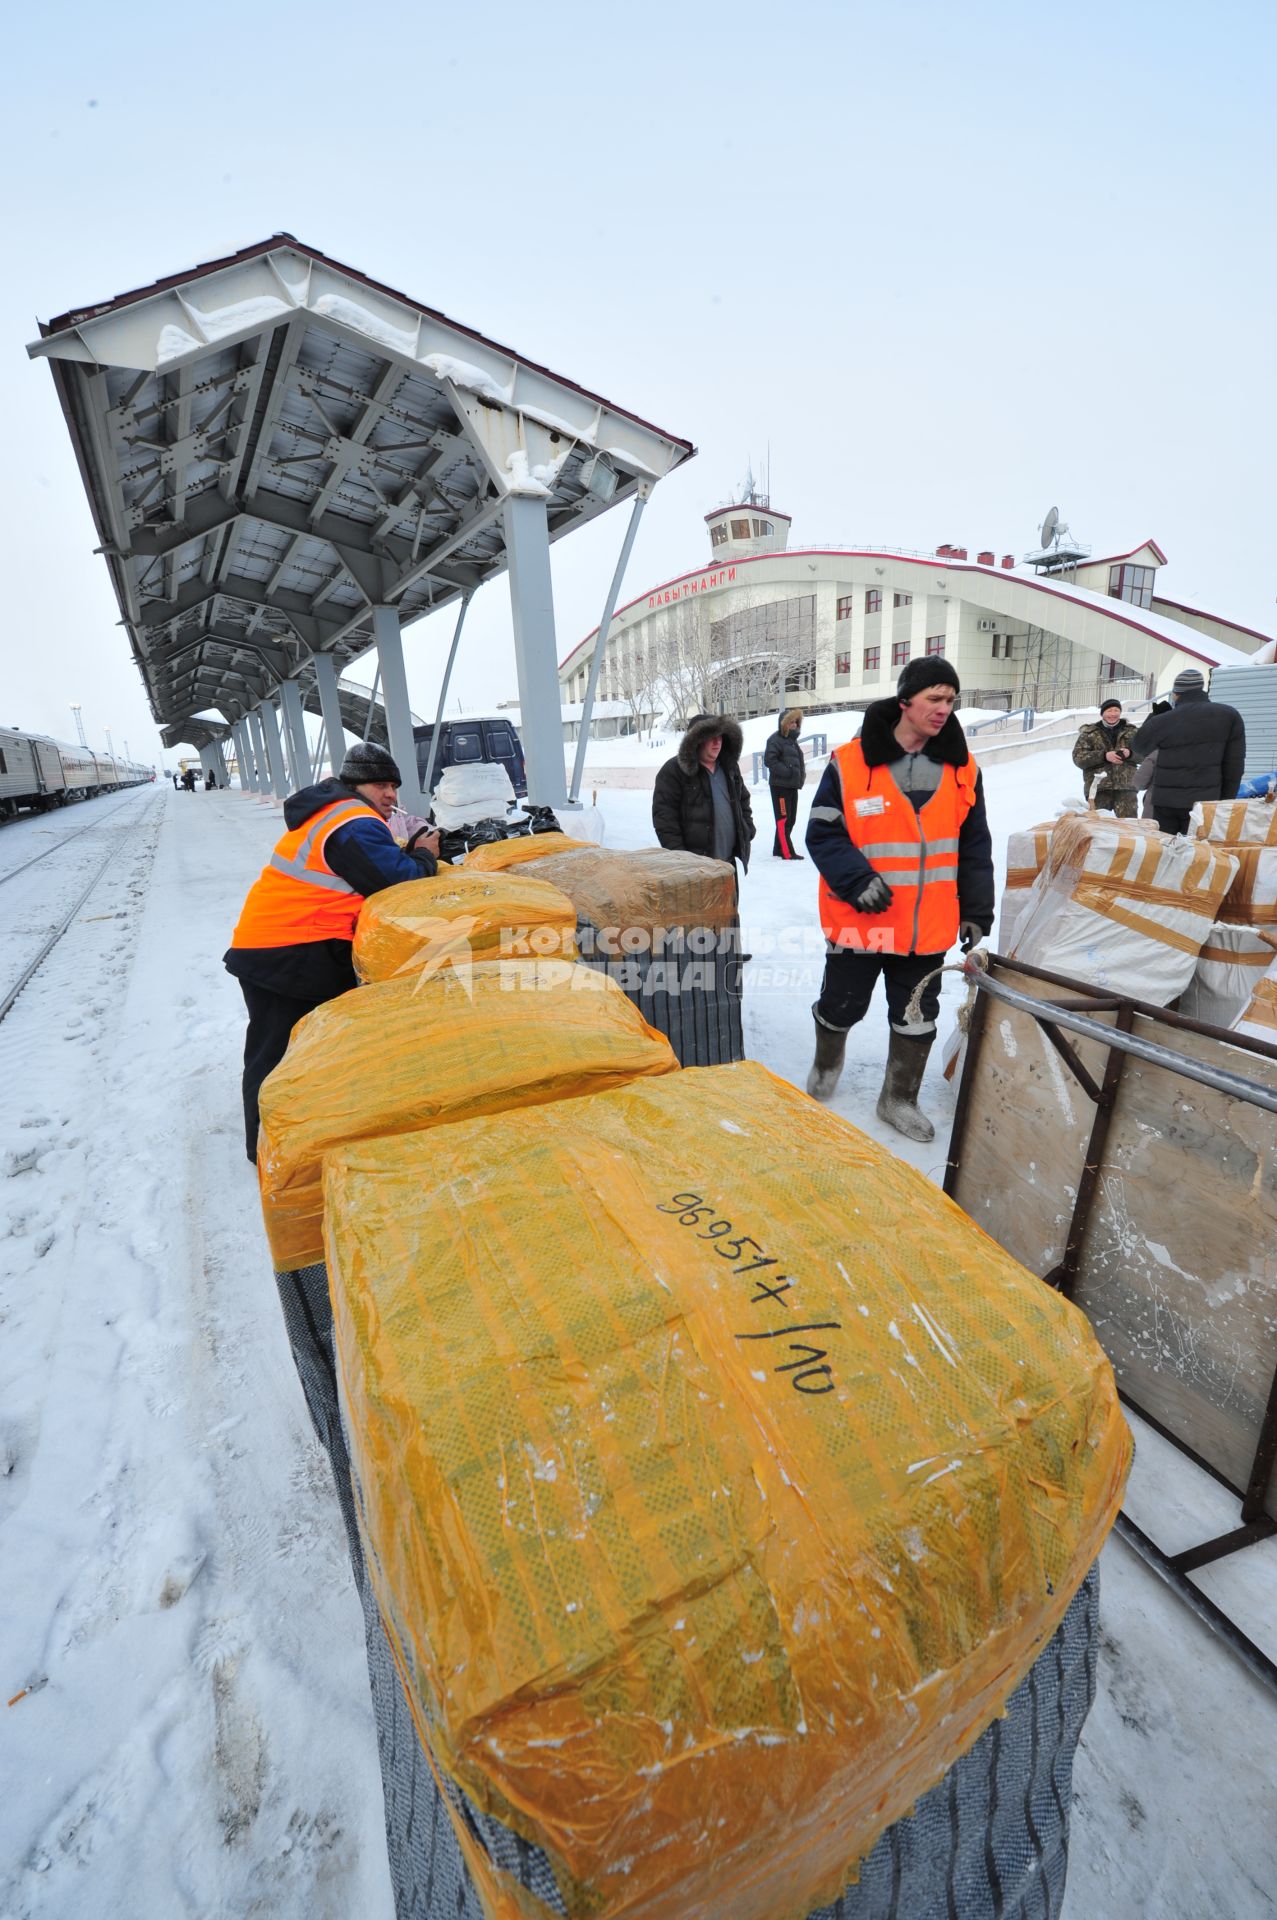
1049 525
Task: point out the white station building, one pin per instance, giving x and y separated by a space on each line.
765 624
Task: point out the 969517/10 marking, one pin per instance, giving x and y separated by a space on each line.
811 1372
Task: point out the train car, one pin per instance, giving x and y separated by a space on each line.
83 772
37 772
30 772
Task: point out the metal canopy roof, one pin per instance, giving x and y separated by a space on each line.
273 444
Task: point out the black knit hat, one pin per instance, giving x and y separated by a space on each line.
367 763
930 670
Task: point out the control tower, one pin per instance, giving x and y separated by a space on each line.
747 525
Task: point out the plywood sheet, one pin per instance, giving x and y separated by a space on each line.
1178 1269
1027 1127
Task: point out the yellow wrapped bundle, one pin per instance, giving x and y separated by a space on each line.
720 1481
409 1054
497 855
426 924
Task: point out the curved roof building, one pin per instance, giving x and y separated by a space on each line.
764 623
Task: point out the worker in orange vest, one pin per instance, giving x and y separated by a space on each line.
898 832
291 947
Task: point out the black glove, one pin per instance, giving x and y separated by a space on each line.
874 897
970 933
420 834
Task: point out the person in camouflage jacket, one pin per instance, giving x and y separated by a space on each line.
1103 751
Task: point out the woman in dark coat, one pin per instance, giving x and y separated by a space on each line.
786 767
700 804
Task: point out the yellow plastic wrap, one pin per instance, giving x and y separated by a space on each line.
497 855
653 887
720 1480
426 924
407 1054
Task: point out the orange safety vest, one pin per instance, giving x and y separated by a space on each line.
916 854
297 897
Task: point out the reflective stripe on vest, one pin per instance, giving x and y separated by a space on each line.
297 898
916 854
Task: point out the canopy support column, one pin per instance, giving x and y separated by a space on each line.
257 734
290 695
330 708
394 682
241 753
527 539
428 782
596 662
269 721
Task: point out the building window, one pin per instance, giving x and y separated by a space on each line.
762 528
902 599
1134 584
872 657
844 606
935 645
899 652
740 529
1002 646
718 534
842 665
873 601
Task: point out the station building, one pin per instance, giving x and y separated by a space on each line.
764 623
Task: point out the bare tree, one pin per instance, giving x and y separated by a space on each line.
682 670
632 678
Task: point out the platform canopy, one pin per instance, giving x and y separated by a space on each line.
275 446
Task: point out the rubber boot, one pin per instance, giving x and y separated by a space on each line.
831 1046
898 1101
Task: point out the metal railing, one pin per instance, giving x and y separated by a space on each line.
1019 720
814 745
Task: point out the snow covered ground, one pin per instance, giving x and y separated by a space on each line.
196 1737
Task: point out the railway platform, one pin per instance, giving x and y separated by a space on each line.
182 1641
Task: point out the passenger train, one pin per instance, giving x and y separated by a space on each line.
37 772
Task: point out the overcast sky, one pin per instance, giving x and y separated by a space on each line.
955 265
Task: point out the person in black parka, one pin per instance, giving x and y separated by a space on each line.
700 804
786 768
1201 751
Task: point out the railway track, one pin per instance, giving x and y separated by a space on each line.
11 873
67 918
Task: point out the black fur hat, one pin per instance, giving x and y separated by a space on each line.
366 763
931 670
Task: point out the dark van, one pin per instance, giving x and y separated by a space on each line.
464 741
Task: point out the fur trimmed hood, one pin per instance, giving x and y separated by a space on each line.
880 746
703 728
790 713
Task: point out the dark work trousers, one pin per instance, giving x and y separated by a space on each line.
1124 801
271 1019
849 982
1171 819
785 808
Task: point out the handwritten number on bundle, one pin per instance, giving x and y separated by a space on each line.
810 1372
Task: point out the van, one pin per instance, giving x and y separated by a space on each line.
463 742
